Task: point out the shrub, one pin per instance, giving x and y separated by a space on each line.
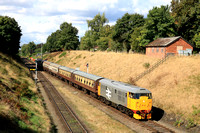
146 65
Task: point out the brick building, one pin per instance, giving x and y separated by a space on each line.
162 47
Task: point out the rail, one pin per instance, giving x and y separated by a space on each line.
66 114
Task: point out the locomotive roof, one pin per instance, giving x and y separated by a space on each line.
123 86
67 69
87 75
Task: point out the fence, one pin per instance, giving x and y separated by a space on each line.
151 68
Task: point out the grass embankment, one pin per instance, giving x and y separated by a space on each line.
174 84
21 109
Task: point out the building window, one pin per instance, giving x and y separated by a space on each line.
152 50
162 50
157 50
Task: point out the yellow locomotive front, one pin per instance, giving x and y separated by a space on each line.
140 104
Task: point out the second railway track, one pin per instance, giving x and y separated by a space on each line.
69 118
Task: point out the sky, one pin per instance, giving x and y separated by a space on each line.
39 18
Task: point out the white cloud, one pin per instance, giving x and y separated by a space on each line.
39 18
143 6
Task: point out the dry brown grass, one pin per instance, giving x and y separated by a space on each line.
173 84
116 66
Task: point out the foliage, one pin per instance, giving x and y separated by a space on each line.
95 36
159 23
196 39
28 49
186 14
146 65
64 39
10 34
124 27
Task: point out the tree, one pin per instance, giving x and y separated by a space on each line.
64 39
160 23
124 27
97 22
187 16
28 49
196 39
86 41
91 39
10 34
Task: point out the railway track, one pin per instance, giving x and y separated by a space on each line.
72 122
150 125
69 119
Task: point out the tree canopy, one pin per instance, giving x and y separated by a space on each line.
124 27
63 39
10 34
97 33
187 15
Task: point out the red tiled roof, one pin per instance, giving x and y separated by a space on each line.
163 41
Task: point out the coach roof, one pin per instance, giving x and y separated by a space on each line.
87 75
67 69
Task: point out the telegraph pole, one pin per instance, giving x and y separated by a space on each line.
87 65
36 73
41 51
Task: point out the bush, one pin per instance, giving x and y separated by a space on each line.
146 65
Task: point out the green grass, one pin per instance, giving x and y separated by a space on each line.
63 54
146 65
20 105
78 56
3 71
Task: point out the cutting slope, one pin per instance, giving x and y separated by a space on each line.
21 108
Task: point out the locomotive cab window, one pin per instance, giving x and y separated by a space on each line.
138 95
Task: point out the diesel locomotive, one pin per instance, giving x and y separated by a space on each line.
129 99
